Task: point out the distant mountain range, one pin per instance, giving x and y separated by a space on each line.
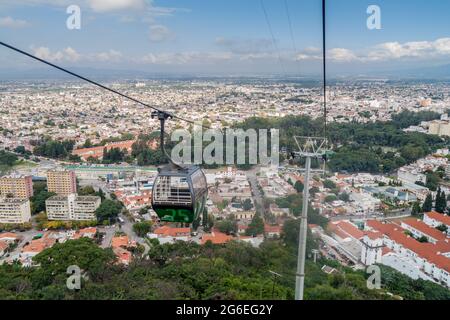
441 72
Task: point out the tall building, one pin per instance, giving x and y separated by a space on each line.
14 210
72 207
62 182
16 186
439 127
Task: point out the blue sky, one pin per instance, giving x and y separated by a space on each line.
227 36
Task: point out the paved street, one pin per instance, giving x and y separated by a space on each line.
257 196
27 236
109 234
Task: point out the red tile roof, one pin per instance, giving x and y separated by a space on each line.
121 241
88 230
216 237
123 255
444 219
272 229
346 228
373 234
424 228
9 235
3 245
39 245
172 232
428 251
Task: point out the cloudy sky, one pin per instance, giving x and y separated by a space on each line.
227 36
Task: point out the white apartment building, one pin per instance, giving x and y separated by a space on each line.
372 245
14 210
430 259
435 219
365 202
439 127
404 265
72 207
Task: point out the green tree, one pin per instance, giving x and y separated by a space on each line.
53 149
432 181
290 233
142 228
7 158
329 184
228 226
247 205
87 143
299 187
40 194
83 252
344 197
428 204
416 209
441 201
87 191
256 226
108 210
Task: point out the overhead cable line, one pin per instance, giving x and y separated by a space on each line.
274 42
99 85
294 46
324 67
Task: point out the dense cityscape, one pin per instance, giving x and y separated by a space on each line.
81 163
211 159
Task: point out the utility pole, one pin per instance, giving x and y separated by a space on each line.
315 252
310 147
275 275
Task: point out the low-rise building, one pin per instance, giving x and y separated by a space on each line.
166 234
420 229
433 259
72 207
14 210
435 219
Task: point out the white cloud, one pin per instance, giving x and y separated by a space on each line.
71 55
114 5
67 54
341 55
109 56
159 33
185 58
409 50
387 51
9 22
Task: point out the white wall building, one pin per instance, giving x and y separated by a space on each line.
435 219
404 265
72 207
372 245
14 210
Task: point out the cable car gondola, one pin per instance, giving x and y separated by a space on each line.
179 193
